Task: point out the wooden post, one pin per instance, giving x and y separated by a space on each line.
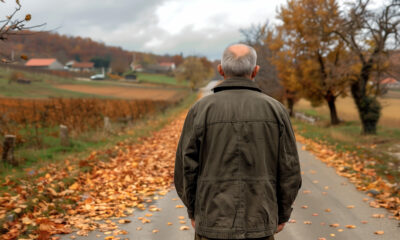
8 150
107 125
64 138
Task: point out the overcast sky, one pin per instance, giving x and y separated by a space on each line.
193 27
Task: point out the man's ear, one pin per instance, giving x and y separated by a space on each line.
255 71
221 72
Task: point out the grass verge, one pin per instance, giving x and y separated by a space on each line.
347 137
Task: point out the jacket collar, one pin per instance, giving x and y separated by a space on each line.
236 83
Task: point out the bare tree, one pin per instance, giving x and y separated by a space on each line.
267 78
370 35
13 26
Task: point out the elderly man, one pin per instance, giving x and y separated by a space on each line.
237 168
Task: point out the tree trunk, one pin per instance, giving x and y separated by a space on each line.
369 110
290 103
331 100
368 107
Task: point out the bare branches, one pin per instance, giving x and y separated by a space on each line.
12 26
256 34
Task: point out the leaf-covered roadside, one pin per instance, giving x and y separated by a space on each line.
359 172
46 205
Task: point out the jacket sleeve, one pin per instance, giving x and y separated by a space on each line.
289 175
186 165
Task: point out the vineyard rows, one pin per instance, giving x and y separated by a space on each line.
79 115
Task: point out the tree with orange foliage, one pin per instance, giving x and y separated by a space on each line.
195 70
309 56
288 68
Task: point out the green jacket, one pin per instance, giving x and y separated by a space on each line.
237 169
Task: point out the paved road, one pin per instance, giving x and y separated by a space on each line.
322 189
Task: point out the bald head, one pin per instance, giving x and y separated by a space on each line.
239 60
239 50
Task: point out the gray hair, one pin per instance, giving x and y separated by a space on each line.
238 66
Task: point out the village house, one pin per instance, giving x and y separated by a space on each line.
168 66
136 67
79 66
390 83
163 67
44 63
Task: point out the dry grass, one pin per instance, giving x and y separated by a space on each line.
347 110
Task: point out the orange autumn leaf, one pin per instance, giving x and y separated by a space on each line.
183 228
350 226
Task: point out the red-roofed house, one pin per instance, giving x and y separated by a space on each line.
390 83
44 63
170 66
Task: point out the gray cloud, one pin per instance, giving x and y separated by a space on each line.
207 42
136 25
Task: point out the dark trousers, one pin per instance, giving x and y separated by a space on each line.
198 237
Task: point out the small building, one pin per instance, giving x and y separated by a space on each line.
79 66
136 67
169 66
163 67
44 63
82 67
390 83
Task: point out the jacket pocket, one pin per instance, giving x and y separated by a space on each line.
218 202
262 209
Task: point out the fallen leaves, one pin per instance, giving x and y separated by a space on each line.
183 228
357 169
380 232
117 180
123 221
145 220
377 215
350 226
334 225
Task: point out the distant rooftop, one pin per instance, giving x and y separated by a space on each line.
167 64
389 81
40 62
